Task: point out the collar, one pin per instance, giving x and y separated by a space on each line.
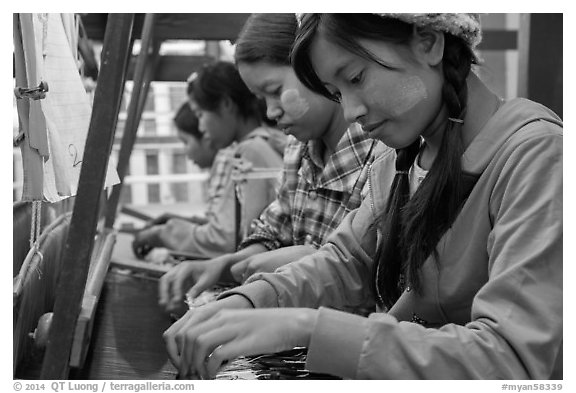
344 166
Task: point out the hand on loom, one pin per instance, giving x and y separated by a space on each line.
170 234
145 240
268 262
188 276
206 337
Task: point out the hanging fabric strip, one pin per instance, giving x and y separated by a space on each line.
55 126
33 172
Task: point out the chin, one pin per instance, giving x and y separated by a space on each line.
393 141
302 137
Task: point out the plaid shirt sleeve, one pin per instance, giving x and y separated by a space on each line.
273 229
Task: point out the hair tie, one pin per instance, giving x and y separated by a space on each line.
454 120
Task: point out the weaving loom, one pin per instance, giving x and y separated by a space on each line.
126 340
105 322
34 292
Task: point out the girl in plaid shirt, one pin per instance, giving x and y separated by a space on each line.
326 165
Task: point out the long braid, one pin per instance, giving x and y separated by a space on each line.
439 198
412 228
387 274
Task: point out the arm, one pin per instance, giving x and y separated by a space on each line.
256 194
212 238
516 317
163 219
268 261
273 228
216 235
334 276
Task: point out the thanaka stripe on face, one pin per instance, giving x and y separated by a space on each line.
294 104
408 93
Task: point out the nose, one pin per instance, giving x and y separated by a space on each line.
207 139
352 108
273 109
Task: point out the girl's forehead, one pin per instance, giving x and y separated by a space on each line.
331 58
328 58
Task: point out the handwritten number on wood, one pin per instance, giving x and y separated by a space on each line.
74 153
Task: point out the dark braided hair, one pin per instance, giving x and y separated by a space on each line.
411 227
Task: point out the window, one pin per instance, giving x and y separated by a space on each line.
149 126
179 163
152 167
177 95
153 193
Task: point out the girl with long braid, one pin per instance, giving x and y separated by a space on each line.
459 241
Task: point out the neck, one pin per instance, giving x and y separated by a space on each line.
336 128
245 127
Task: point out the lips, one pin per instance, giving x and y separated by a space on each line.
284 127
371 127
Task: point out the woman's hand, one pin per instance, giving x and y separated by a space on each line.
269 261
146 240
163 219
206 337
193 277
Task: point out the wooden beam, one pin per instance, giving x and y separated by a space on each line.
173 68
176 26
147 61
80 241
540 56
96 275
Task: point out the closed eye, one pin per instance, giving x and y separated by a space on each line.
357 79
275 93
336 97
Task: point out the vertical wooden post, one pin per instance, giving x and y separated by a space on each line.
540 59
143 75
80 241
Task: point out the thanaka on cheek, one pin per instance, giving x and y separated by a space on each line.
403 97
293 104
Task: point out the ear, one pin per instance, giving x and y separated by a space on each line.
429 45
226 104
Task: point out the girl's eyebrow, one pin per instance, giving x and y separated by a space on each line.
341 68
262 85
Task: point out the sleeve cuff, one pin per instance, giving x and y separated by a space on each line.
336 343
260 293
266 242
